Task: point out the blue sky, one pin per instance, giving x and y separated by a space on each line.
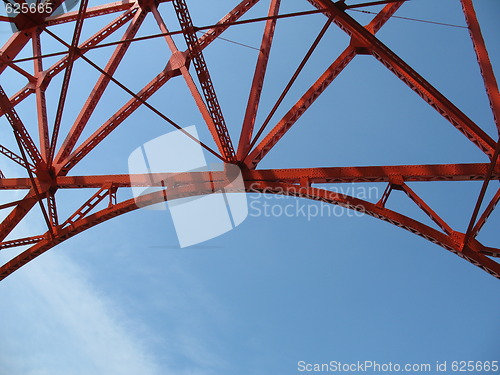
123 298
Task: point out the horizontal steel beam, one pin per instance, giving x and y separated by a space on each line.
327 175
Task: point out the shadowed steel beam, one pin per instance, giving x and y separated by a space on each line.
484 188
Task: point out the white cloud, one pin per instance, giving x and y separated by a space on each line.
59 323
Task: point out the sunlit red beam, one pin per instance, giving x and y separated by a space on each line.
257 82
327 175
17 214
19 128
218 128
66 79
427 209
41 103
91 12
483 59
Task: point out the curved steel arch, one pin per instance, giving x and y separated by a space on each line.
48 167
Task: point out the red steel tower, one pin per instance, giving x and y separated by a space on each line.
49 156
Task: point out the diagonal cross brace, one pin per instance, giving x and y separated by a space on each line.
219 132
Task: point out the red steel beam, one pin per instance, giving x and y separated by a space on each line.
491 251
85 208
52 209
99 10
490 82
148 90
428 211
41 104
484 188
287 88
327 175
94 40
21 242
19 96
257 82
17 68
16 158
363 38
291 117
17 214
67 76
13 46
486 214
219 130
99 88
179 61
19 129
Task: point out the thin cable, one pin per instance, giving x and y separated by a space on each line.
234 42
372 3
290 83
414 19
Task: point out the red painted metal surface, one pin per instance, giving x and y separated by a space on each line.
48 166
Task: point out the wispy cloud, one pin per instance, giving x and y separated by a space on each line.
59 323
